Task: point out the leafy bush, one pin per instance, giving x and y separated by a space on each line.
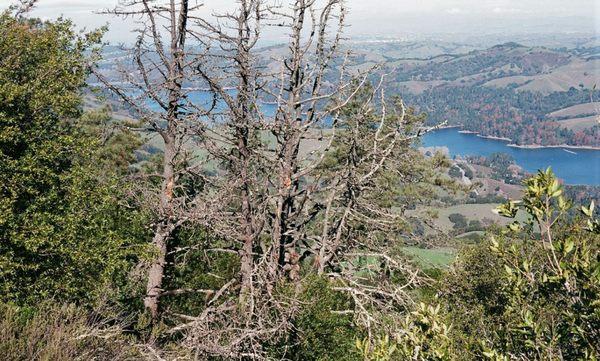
534 292
423 335
321 331
459 221
64 231
455 172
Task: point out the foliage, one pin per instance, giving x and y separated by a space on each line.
459 221
581 194
321 330
536 295
63 232
113 145
333 288
380 350
405 180
423 335
470 294
503 167
504 112
195 269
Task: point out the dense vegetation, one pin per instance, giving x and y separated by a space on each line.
503 112
81 208
500 60
473 90
503 167
64 233
529 292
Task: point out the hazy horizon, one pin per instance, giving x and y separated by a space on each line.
392 18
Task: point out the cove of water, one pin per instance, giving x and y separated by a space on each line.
580 168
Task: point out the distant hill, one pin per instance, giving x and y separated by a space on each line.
508 90
576 110
499 61
512 65
530 94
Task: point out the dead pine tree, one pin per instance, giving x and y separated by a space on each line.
235 141
22 7
152 86
277 200
301 100
302 148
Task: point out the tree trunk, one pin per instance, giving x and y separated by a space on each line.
247 262
163 229
157 269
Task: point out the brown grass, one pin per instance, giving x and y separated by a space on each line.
578 124
60 333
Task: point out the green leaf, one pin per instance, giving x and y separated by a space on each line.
569 245
588 211
515 226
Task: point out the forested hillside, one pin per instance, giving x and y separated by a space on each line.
286 214
508 91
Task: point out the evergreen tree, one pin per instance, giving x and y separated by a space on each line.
63 232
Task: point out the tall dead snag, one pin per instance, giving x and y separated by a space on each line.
304 150
233 77
302 106
22 7
301 151
152 85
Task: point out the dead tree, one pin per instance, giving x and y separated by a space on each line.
299 99
152 86
298 177
22 7
236 140
276 199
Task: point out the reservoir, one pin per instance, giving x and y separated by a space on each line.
574 166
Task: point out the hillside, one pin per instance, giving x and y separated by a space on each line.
532 95
509 90
496 62
577 73
576 110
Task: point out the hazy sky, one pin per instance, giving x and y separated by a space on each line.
392 17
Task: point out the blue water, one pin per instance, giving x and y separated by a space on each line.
204 100
580 168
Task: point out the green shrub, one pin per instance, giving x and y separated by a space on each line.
319 332
534 292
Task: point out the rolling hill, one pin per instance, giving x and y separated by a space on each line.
530 94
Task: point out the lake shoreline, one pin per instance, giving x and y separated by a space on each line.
485 136
529 146
563 146
580 168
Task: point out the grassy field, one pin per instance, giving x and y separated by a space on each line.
480 212
431 258
578 124
576 110
470 211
